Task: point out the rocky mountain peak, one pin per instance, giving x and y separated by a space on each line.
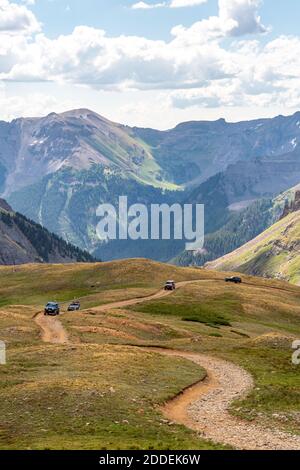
4 205
293 206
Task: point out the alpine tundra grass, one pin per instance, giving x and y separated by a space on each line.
104 389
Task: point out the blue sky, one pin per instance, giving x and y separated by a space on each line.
117 17
238 59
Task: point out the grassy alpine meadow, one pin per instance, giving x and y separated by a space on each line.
91 397
96 284
97 392
105 388
252 325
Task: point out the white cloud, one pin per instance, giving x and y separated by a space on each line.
15 19
186 3
148 6
195 68
29 105
242 15
236 18
170 4
266 75
89 57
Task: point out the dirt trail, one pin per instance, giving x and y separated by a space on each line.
205 406
52 329
54 332
160 294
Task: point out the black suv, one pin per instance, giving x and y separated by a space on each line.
234 279
52 309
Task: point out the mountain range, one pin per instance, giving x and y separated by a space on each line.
56 170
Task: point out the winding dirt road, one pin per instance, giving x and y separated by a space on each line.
52 329
158 295
205 406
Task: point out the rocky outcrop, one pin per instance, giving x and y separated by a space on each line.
292 206
5 206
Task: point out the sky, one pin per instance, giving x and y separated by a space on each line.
151 63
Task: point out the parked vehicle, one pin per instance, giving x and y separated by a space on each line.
234 279
170 285
74 306
52 309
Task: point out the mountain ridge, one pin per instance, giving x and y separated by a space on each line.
57 170
275 253
23 241
90 138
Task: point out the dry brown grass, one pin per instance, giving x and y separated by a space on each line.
273 340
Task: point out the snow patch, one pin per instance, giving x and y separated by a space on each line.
108 172
56 165
238 206
254 128
37 142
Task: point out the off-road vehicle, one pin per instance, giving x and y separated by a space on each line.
234 279
74 306
170 285
52 309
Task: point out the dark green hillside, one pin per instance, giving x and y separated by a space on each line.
24 241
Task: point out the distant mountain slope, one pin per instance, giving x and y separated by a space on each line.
241 202
245 182
32 148
275 253
230 227
66 202
56 170
240 227
194 151
23 241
